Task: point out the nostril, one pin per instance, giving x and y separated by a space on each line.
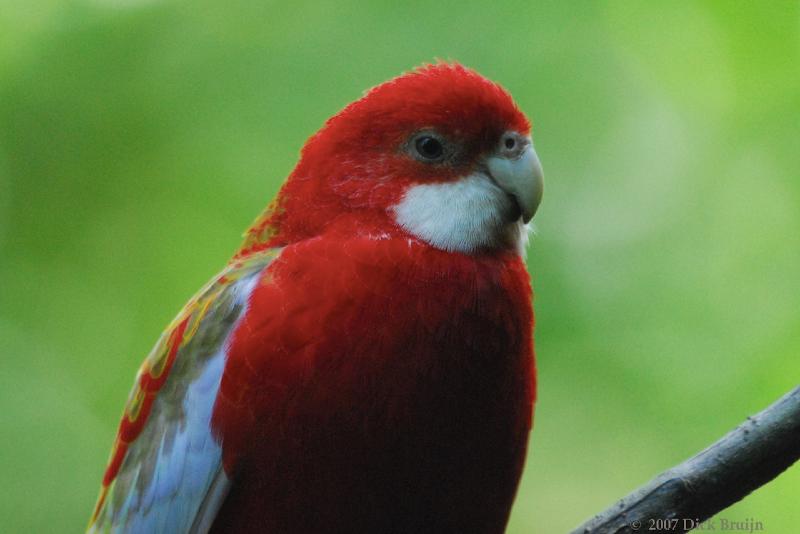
510 143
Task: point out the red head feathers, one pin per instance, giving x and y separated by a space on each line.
437 124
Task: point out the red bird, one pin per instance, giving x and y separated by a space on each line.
365 361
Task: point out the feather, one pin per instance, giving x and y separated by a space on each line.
166 467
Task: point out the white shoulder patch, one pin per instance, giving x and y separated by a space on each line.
467 215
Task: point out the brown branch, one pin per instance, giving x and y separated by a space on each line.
748 457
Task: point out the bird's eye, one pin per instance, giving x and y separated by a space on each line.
429 148
510 142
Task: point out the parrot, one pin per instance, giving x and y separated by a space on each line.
365 361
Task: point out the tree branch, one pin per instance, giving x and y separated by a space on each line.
748 457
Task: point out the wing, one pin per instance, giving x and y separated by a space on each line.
165 471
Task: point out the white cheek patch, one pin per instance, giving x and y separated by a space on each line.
467 215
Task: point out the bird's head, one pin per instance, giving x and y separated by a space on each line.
440 153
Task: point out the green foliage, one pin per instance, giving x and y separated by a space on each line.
138 138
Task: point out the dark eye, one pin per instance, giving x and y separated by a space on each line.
429 147
510 142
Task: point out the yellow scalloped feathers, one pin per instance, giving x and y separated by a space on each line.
180 331
195 310
263 229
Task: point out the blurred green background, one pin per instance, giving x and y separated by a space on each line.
138 139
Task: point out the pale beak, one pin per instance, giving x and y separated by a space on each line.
518 172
